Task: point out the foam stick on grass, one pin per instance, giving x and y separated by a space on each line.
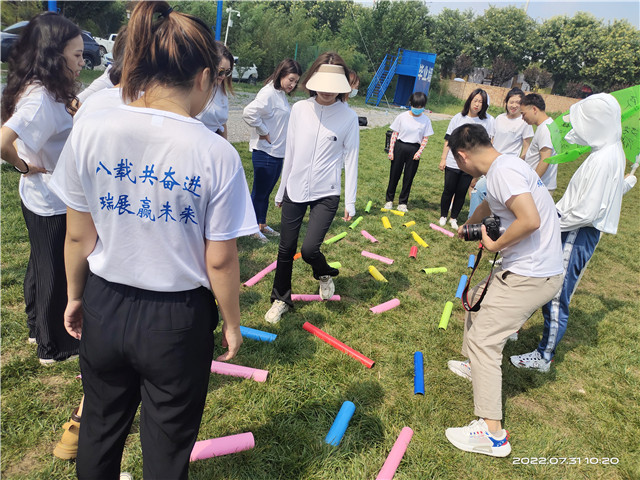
446 314
258 276
368 207
413 253
385 222
368 236
355 223
418 373
239 371
334 239
397 212
367 362
409 224
383 307
335 265
216 447
386 260
429 271
419 239
392 462
461 285
313 298
340 424
376 274
440 229
257 334
472 261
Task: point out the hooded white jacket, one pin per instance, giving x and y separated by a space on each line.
594 194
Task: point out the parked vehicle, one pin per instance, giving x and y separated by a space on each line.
106 44
91 54
8 37
244 74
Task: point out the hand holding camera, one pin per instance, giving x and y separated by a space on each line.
487 232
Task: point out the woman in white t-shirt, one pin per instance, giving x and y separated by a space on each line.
37 107
456 182
216 114
152 225
323 135
268 114
411 132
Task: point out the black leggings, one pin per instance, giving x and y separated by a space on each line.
402 159
456 182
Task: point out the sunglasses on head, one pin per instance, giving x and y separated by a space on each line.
224 73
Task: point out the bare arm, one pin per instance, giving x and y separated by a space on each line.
525 146
527 221
223 270
482 211
542 165
443 159
9 153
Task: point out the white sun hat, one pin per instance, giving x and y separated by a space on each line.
329 79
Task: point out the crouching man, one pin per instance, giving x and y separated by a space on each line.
530 276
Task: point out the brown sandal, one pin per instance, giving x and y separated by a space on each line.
67 447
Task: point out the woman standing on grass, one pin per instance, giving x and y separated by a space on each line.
323 135
268 114
38 104
216 114
152 225
456 182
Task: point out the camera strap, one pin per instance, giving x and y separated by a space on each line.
465 292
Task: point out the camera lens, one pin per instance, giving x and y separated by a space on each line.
472 232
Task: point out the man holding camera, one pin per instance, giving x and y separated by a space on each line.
530 276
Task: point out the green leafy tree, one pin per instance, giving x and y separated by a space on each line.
502 70
452 34
17 11
463 65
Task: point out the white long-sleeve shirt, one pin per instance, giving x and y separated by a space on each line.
268 114
319 139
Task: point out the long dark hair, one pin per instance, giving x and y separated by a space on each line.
170 49
330 58
115 74
38 55
482 114
284 68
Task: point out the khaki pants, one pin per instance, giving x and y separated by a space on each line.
511 299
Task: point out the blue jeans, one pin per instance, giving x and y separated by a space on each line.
266 171
478 195
577 249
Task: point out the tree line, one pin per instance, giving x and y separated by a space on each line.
571 51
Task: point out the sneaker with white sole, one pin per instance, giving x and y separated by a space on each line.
532 360
454 223
403 207
260 237
278 307
460 368
327 288
270 232
388 205
476 438
443 221
47 362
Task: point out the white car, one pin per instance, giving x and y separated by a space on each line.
244 74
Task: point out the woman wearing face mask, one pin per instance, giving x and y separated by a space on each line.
411 131
37 107
216 113
268 114
456 182
354 83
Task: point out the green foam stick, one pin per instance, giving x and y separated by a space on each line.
355 223
335 265
434 270
368 207
444 320
340 236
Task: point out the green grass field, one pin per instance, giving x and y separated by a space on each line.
585 410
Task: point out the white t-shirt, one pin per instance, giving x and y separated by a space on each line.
539 254
102 82
510 134
542 139
319 140
100 100
412 129
156 184
42 125
457 121
216 113
269 114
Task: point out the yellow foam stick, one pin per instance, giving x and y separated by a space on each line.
376 274
446 314
434 270
418 239
335 265
385 222
409 224
397 212
384 209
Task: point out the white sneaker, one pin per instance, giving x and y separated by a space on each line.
388 205
454 223
443 221
267 230
532 360
402 208
476 438
278 307
260 237
513 337
327 288
125 476
462 369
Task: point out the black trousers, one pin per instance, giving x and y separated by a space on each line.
45 286
402 159
150 347
456 182
321 215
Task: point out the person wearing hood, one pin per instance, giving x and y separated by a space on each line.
589 207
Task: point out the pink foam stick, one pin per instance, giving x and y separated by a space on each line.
239 371
368 236
377 257
440 229
216 447
395 456
383 307
313 298
258 276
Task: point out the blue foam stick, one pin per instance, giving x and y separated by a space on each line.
461 285
340 424
418 373
257 334
472 261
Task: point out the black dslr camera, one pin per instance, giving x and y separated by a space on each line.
474 232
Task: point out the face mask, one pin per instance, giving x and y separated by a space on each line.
417 111
353 93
